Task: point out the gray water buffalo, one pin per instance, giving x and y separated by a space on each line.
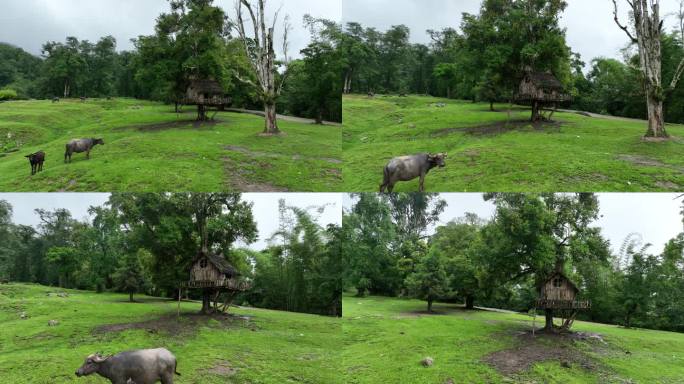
144 366
36 160
407 168
80 146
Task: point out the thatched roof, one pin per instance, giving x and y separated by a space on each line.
206 86
544 80
562 276
220 263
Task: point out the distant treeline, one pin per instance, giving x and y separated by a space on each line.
161 65
486 57
503 262
145 243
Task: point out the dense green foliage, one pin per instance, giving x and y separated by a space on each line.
484 60
614 87
146 243
19 70
504 261
251 346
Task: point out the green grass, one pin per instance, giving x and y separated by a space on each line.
385 340
272 347
579 153
150 148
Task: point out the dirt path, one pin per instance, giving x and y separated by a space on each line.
606 117
282 117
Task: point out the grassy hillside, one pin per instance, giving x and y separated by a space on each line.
486 154
150 148
385 340
254 346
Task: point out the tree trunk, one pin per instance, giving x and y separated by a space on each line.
66 88
535 111
206 302
130 296
271 119
656 120
491 106
176 109
201 113
549 320
319 117
347 83
429 304
469 302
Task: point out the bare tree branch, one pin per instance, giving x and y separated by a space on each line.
617 21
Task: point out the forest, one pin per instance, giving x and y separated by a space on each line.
145 243
195 38
389 250
484 59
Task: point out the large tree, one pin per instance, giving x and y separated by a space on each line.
175 228
538 235
646 32
456 243
509 37
259 47
429 282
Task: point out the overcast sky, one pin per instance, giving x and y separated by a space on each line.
654 216
30 23
591 30
265 207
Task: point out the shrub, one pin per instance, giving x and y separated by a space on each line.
7 94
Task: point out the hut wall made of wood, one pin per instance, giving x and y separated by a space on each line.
530 91
558 288
203 270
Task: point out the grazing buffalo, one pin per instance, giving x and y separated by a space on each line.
36 159
55 99
144 366
83 99
407 168
80 146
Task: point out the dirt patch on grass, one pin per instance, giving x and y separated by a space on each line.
193 124
222 368
540 348
668 185
173 325
241 178
644 161
258 154
500 127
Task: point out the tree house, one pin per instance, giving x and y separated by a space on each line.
216 277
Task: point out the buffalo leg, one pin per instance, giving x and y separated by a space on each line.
167 378
422 183
390 188
88 155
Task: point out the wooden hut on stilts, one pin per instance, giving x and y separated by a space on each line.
205 94
541 90
219 281
558 296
